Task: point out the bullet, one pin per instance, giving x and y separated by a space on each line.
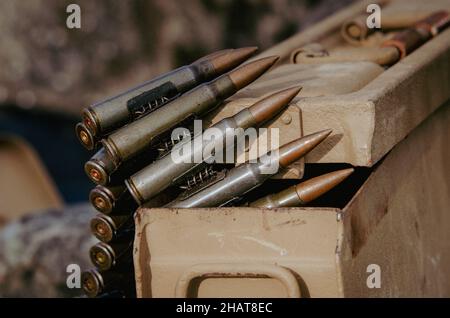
112 113
112 200
112 256
164 172
240 180
217 53
101 170
96 168
356 30
115 229
95 283
85 136
130 140
410 39
303 193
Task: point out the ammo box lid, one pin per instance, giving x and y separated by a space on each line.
367 121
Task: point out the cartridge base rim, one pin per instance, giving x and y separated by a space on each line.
90 120
91 166
85 136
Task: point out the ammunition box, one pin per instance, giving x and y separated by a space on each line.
392 222
397 222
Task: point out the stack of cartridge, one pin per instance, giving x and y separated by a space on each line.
129 132
134 163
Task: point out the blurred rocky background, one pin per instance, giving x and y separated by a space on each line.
49 72
120 43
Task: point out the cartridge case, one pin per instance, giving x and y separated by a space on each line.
112 200
410 39
85 136
118 256
98 167
102 171
107 284
113 229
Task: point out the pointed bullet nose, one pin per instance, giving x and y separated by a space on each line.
340 175
271 105
249 72
229 59
213 55
298 148
315 187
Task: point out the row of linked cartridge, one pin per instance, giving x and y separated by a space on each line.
132 133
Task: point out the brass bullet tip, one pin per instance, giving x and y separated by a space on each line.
296 149
96 172
315 187
85 136
249 72
229 59
101 201
271 105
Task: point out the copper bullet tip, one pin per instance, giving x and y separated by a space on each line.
231 58
271 105
212 55
249 72
298 148
315 187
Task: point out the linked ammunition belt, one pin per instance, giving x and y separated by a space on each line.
134 166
